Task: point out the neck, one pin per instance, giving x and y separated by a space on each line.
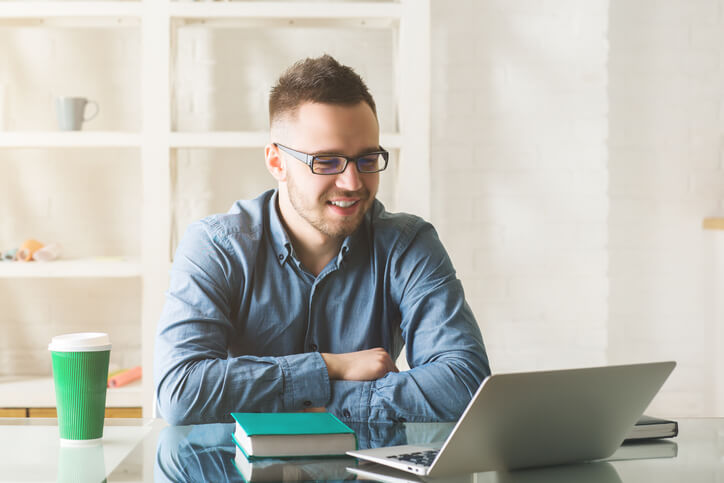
313 248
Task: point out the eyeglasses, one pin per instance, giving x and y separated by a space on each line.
373 162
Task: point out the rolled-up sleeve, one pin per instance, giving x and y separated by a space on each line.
195 379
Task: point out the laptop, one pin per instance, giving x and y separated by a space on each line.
531 419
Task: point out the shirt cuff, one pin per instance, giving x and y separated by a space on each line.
306 381
350 400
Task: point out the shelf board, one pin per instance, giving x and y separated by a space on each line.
69 139
70 14
245 139
46 10
372 11
713 223
110 267
219 139
39 392
98 139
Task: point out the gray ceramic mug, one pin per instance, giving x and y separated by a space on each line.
71 112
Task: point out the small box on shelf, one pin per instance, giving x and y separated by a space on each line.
713 223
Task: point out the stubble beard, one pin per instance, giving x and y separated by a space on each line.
313 211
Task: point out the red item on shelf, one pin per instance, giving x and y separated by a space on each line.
125 377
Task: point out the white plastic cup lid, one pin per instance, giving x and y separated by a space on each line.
80 342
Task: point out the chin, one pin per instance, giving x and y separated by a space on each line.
341 230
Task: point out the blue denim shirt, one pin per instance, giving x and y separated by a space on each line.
244 322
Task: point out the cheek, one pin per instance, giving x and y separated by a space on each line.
372 183
308 184
319 187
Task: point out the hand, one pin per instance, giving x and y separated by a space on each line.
366 365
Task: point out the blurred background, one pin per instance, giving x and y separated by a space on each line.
574 150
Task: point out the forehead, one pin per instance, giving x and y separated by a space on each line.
316 127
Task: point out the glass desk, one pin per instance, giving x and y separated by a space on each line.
150 450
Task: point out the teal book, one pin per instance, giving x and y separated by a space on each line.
292 434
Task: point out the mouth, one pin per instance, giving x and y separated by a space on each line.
345 207
343 204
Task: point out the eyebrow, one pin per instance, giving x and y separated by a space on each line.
364 151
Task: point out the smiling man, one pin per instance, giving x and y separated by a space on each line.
303 298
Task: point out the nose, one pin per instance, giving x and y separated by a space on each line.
349 179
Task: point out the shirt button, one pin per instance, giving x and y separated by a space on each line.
314 347
281 257
346 413
307 403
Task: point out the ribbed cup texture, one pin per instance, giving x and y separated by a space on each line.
80 393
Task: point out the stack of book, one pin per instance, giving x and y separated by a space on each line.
292 446
649 427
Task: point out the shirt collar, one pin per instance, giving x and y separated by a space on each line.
345 248
280 239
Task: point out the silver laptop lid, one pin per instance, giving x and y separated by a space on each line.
543 418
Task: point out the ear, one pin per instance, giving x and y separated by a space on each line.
275 163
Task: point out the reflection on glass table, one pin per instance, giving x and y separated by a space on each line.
597 472
137 450
593 472
206 452
30 451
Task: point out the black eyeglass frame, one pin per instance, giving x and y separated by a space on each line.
308 159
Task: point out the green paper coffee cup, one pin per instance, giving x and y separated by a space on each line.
80 373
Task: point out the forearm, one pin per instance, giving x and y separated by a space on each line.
437 391
209 390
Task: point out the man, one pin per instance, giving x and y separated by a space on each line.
302 298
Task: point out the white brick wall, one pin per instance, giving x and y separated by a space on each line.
572 178
665 171
519 156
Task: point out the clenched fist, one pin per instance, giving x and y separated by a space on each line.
366 365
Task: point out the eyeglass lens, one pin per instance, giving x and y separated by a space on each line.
335 164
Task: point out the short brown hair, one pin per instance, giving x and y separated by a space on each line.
322 80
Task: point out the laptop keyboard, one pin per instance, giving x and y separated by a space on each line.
424 458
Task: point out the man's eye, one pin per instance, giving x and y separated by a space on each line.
328 165
369 163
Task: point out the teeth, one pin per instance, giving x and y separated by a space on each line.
343 204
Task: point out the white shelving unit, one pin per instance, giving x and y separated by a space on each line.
156 141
